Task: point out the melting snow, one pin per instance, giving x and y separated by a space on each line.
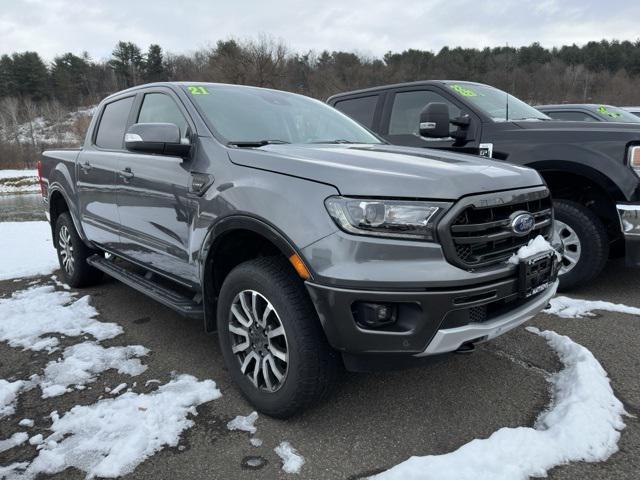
246 424
536 245
14 440
8 394
49 311
292 461
566 307
31 250
113 436
256 442
26 422
81 363
583 423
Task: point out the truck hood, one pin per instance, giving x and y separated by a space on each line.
385 170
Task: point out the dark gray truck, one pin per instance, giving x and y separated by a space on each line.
302 238
592 169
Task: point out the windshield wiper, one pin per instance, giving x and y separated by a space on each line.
258 143
339 140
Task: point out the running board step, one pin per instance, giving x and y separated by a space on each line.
160 293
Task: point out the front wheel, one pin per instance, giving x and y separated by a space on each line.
585 242
272 340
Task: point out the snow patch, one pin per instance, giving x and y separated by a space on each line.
81 363
566 307
113 436
14 440
256 442
246 424
118 389
583 423
292 461
28 250
29 314
26 422
8 394
535 246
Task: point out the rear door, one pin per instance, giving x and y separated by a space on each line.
154 204
96 173
401 117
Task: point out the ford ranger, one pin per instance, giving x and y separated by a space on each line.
592 169
303 239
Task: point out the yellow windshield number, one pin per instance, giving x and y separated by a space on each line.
197 90
465 92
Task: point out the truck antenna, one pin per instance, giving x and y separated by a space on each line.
507 108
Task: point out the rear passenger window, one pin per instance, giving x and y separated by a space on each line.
160 108
113 124
405 114
572 116
360 109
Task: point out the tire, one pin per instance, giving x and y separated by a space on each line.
73 254
311 367
585 242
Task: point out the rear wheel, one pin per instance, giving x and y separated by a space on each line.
585 242
272 340
73 254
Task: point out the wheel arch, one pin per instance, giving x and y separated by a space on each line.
229 242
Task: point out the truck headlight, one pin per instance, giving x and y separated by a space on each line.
386 218
634 158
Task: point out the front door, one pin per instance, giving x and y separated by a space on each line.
96 174
154 204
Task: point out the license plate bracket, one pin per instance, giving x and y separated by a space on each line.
537 273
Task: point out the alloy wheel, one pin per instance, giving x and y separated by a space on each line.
65 247
572 246
258 340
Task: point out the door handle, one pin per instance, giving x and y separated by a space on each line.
126 174
85 167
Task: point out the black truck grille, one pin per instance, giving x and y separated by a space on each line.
479 236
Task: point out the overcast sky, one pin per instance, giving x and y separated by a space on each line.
373 27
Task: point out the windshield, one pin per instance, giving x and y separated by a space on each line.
252 116
494 102
615 114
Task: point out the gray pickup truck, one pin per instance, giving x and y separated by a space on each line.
306 241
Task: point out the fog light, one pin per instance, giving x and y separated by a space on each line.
374 315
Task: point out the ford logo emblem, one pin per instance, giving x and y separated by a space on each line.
522 223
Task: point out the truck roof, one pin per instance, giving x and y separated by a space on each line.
572 106
399 85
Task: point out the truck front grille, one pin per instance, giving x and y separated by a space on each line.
478 233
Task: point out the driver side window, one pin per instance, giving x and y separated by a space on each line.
405 113
160 108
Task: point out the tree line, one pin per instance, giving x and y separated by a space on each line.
30 88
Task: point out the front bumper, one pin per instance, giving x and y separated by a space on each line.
433 321
629 214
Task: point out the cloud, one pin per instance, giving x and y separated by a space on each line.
371 28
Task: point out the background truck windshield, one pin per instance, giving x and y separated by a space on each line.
493 102
615 114
245 114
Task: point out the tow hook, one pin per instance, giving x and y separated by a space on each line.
466 348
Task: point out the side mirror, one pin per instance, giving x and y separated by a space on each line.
434 120
158 138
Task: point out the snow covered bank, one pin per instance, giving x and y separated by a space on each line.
27 250
29 315
583 423
566 307
19 181
112 437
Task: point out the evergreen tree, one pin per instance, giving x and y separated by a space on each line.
127 63
154 70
